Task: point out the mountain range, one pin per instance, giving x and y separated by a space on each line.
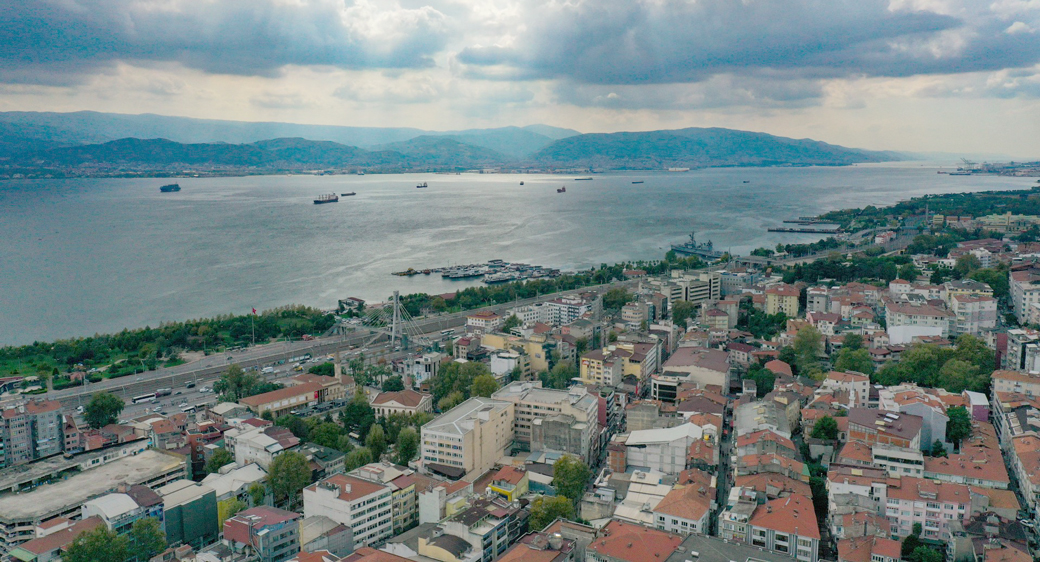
90 143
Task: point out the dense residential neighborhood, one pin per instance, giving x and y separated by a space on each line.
858 408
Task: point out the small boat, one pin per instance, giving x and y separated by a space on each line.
330 198
360 172
348 194
422 186
582 179
169 188
562 190
638 181
747 181
521 183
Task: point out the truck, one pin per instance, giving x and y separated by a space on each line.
163 392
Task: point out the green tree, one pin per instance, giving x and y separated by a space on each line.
103 409
407 446
681 310
484 385
825 428
147 538
393 384
559 377
98 545
764 379
911 542
450 401
327 435
324 369
958 428
966 264
570 477
546 509
357 458
509 324
852 342
909 272
257 493
854 360
925 553
616 298
808 344
996 278
938 450
358 416
289 473
296 425
234 507
221 457
376 441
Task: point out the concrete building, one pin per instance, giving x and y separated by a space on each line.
932 504
571 417
122 508
603 366
483 321
1025 293
442 500
887 428
49 547
30 430
260 445
973 314
699 365
469 438
489 526
283 401
786 526
685 510
424 367
782 298
1023 350
269 533
98 473
332 388
1016 382
905 321
191 513
323 534
362 505
619 541
908 398
664 450
405 401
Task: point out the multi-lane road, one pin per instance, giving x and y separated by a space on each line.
204 372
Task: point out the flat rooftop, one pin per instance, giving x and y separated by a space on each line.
84 486
18 476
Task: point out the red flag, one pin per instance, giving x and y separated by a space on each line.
254 311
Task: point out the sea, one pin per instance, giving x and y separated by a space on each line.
86 256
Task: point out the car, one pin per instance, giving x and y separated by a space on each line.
178 393
157 409
79 409
190 385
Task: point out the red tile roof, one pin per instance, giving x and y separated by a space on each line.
408 398
634 543
282 394
793 515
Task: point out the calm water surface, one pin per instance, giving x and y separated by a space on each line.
86 256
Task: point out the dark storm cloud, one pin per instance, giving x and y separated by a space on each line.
56 41
673 41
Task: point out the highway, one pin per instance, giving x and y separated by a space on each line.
206 371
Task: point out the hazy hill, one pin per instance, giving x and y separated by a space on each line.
439 151
697 147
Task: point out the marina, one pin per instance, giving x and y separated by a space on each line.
805 230
492 271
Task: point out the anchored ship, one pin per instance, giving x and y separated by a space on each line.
330 198
170 188
703 250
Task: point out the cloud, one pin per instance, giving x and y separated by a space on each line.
61 41
718 91
676 41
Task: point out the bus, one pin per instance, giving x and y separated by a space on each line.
188 409
144 398
446 333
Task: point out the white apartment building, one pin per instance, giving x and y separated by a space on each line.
424 367
1025 294
483 321
906 321
469 438
567 309
664 450
973 314
934 505
898 461
362 505
1014 381
856 384
532 402
1023 350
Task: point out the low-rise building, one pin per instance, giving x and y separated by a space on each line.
627 542
260 445
271 534
906 321
887 428
786 526
285 400
122 508
405 401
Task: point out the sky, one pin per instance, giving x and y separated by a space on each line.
917 75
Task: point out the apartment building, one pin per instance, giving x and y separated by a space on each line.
269 533
786 526
905 321
935 505
926 404
1016 382
532 403
363 505
567 309
856 384
1025 293
619 541
604 366
887 428
119 510
665 450
30 430
490 525
973 314
782 298
469 438
483 321
259 445
702 366
423 367
1023 350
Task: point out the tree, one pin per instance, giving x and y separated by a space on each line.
546 509
825 428
852 342
147 538
938 450
221 457
616 298
967 264
103 409
764 379
324 369
98 545
925 554
288 475
393 384
296 425
808 343
909 272
376 441
450 401
570 477
910 544
327 435
681 310
857 360
236 384
958 428
559 377
509 324
233 507
484 386
257 493
958 376
407 446
358 416
357 458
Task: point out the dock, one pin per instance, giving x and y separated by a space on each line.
806 230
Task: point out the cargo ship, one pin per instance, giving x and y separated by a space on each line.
347 194
562 190
703 250
422 186
330 198
170 188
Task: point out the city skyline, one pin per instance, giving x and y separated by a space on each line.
954 76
